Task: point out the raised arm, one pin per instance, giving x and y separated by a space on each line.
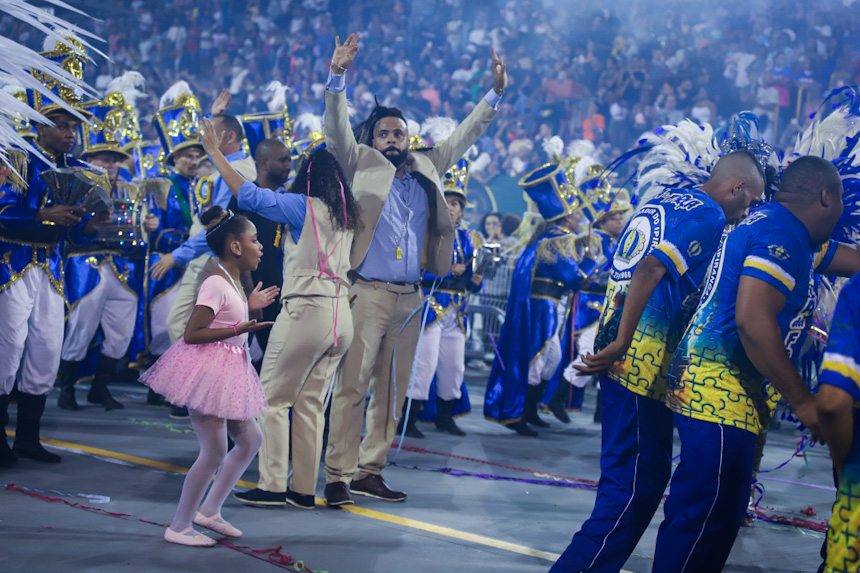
467 133
340 140
211 141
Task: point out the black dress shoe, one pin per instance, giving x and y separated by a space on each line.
374 486
535 420
262 498
300 500
337 494
522 428
559 411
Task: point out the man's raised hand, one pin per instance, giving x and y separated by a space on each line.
500 74
344 54
209 137
222 103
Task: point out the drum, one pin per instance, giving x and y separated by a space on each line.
125 231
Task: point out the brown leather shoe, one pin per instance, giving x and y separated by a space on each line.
374 486
337 494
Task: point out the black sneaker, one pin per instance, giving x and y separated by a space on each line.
337 494
374 486
179 413
262 498
299 500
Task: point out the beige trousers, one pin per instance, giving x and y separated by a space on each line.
197 271
300 360
379 313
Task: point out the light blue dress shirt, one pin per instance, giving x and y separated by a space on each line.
285 208
196 245
403 223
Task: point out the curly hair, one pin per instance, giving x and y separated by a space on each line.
322 174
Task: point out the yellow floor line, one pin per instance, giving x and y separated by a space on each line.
373 514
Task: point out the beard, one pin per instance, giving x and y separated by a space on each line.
396 159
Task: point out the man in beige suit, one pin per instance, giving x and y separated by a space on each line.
405 227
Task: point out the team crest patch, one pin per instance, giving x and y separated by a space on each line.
695 249
778 252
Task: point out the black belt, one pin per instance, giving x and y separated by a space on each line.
45 235
547 289
456 284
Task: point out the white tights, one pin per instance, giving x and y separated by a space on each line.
212 436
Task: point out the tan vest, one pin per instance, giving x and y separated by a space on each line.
302 260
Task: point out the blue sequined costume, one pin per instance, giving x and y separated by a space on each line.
450 295
545 271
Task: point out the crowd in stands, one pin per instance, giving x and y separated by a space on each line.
605 72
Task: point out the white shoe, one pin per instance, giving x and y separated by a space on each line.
212 523
195 539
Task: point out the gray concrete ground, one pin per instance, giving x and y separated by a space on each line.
449 523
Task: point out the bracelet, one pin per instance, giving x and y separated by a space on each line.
236 332
339 66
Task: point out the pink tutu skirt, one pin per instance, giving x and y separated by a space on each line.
214 379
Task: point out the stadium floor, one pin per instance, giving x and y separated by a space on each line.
468 522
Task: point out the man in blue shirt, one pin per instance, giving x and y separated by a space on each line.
758 298
661 259
405 226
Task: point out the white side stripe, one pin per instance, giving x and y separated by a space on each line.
713 505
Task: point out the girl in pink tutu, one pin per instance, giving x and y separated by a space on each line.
209 371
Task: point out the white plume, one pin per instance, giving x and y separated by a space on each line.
827 138
127 85
438 128
554 146
481 163
682 154
412 127
16 60
308 122
581 148
173 93
279 96
580 170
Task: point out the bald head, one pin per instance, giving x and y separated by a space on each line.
273 163
805 178
811 189
736 182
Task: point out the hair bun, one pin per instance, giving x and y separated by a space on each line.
212 217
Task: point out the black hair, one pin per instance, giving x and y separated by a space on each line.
495 214
326 177
230 123
364 131
220 226
510 223
806 177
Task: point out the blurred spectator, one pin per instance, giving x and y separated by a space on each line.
491 227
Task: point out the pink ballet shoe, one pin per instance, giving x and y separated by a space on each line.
212 523
182 538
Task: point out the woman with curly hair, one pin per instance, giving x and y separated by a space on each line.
314 328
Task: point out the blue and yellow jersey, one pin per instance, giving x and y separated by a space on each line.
682 229
841 368
711 377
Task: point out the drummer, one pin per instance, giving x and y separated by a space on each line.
99 279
